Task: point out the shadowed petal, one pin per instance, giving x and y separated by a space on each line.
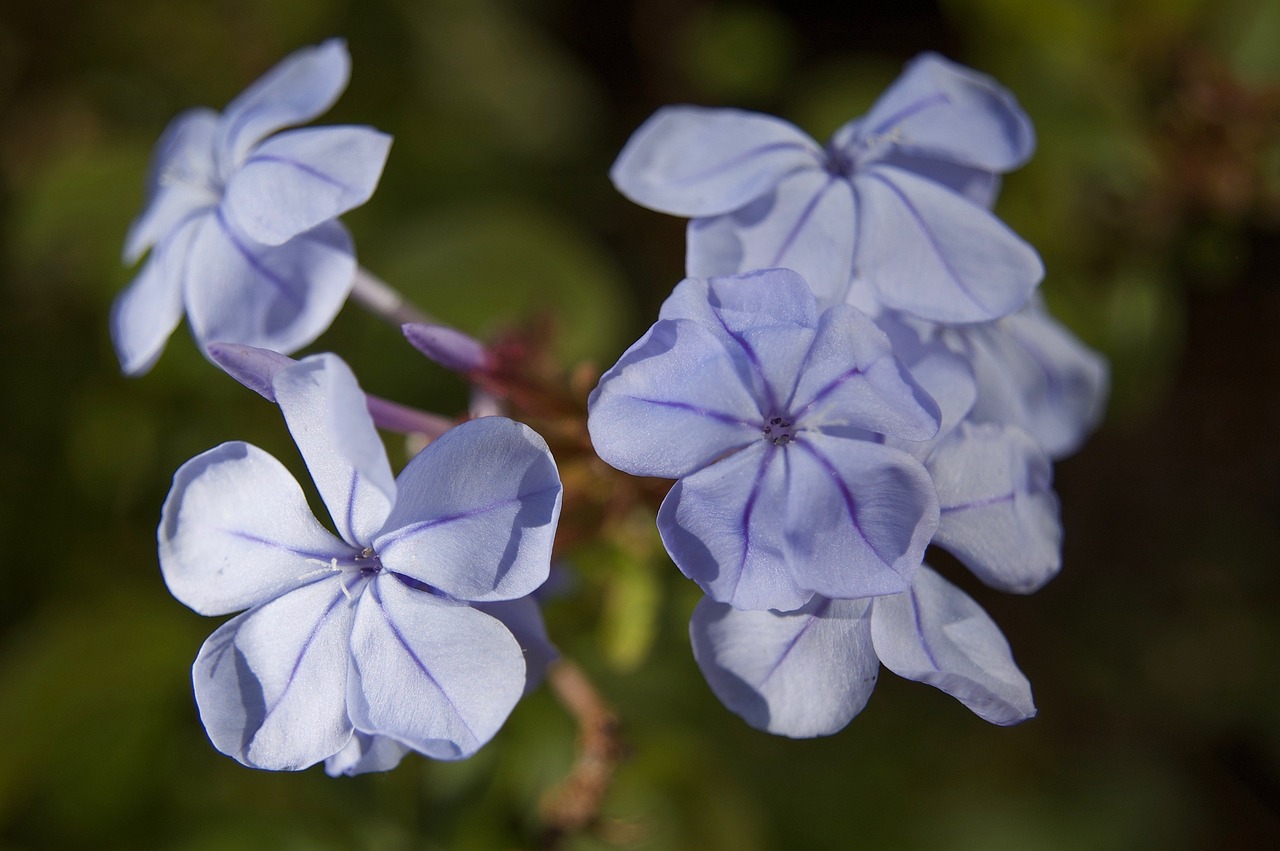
693 161
296 180
328 418
936 255
724 527
302 86
145 314
799 674
435 674
271 684
278 298
936 634
999 512
523 617
806 224
181 180
858 516
365 753
672 404
476 512
940 109
979 186
236 531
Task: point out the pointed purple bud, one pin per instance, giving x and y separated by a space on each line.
448 347
253 367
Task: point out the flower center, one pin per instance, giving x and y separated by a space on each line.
779 431
839 164
355 571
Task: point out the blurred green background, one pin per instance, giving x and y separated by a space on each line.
1154 198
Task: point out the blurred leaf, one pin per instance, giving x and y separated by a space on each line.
737 52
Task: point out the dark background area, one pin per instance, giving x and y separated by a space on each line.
1154 198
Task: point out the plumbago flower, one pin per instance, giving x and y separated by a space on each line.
898 197
241 224
397 633
768 411
809 672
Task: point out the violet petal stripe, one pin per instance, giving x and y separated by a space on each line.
747 510
850 504
276 545
730 164
924 642
908 111
300 166
933 241
350 526
771 399
389 538
404 644
297 663
801 221
814 617
980 503
831 387
695 409
255 262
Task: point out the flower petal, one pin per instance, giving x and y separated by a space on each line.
858 516
299 88
936 634
144 316
365 753
180 180
273 297
807 224
693 161
724 528
434 674
236 531
850 379
296 180
799 674
253 367
328 418
979 186
672 404
999 514
941 109
271 684
934 254
476 512
523 617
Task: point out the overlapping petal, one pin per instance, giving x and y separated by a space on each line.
693 161
672 404
806 223
934 254
181 181
476 512
272 297
937 634
365 753
999 514
236 531
951 112
271 684
299 88
435 674
297 180
326 413
800 674
524 619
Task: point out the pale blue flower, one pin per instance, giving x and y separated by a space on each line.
770 413
395 634
898 197
241 221
809 672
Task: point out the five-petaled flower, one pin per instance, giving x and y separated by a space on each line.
771 413
898 198
241 224
394 635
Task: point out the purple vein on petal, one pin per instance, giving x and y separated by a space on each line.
300 166
924 642
801 221
747 510
276 545
350 527
813 618
395 630
935 99
423 525
297 663
932 240
741 158
752 358
695 409
980 503
255 262
850 503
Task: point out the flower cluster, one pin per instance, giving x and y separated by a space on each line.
856 367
